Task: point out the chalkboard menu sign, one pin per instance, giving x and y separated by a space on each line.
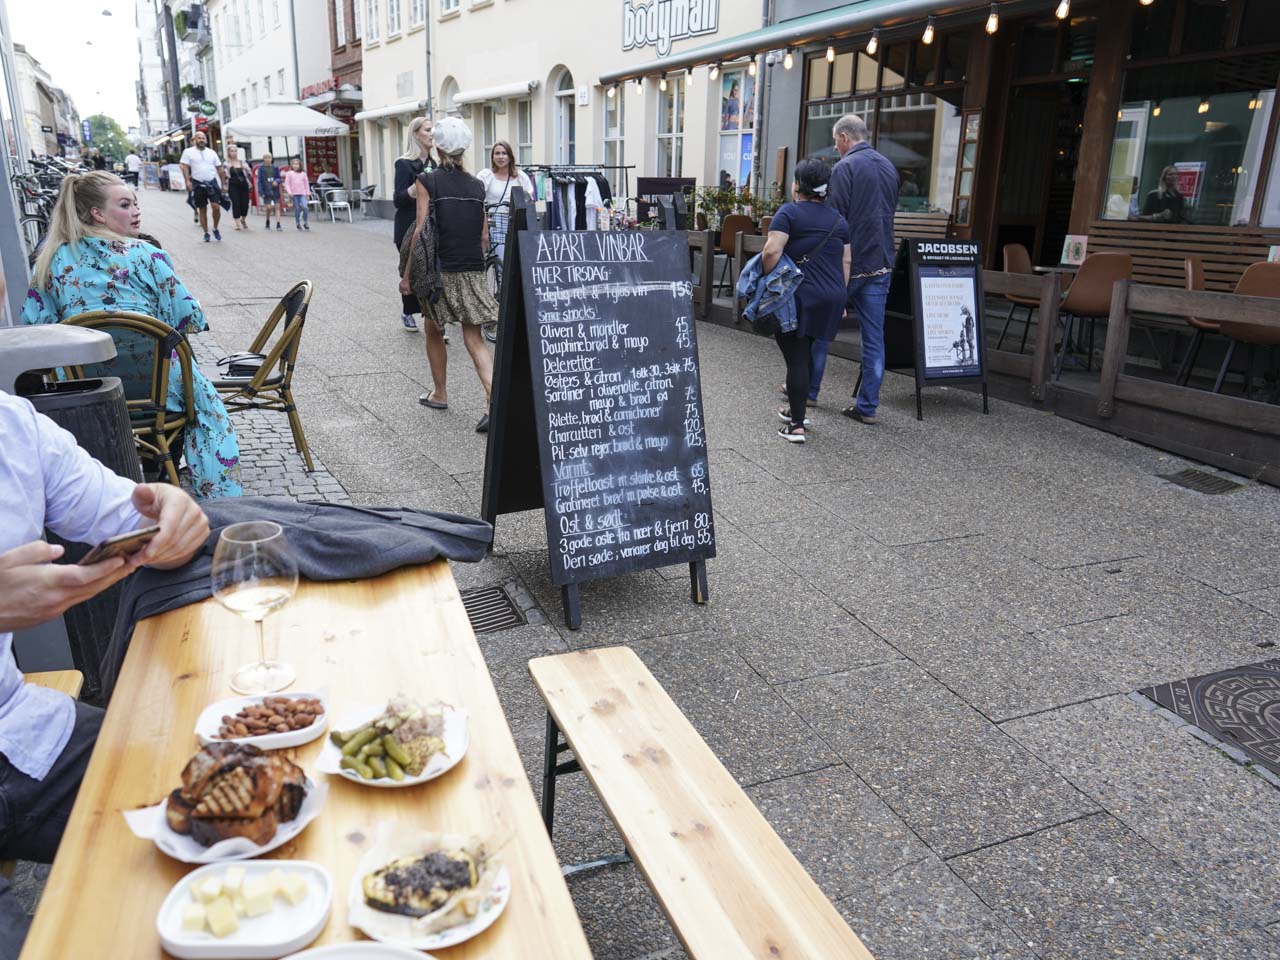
598 403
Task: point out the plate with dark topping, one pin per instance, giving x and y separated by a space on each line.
431 893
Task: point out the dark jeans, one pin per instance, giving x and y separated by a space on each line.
33 814
819 351
798 353
867 296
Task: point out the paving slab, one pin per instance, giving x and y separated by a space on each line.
1094 888
955 778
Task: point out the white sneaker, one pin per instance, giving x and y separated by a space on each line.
409 323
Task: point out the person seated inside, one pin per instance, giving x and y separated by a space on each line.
46 738
328 180
94 259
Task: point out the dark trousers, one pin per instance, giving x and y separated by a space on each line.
33 814
797 350
408 305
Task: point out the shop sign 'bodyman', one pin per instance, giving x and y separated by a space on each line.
659 22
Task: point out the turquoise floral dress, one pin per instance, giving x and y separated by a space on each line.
133 275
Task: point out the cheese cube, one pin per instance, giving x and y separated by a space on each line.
238 902
207 889
222 918
293 888
193 917
259 898
275 880
232 879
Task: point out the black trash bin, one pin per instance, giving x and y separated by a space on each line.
95 413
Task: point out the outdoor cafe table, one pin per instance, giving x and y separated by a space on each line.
364 641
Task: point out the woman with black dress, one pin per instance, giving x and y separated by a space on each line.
238 174
416 160
817 239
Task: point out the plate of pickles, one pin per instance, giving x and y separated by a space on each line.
401 744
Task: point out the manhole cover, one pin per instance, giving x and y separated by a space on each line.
1240 706
491 609
1202 482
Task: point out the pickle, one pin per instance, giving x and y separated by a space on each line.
395 751
378 767
358 739
339 737
363 770
371 749
394 770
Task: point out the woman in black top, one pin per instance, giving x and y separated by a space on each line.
416 159
462 235
238 186
1165 204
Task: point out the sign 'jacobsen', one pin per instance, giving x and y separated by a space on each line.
659 23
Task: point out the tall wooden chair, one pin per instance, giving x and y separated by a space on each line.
1017 260
271 387
1089 298
732 225
145 349
1260 280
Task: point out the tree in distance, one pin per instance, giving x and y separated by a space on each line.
108 137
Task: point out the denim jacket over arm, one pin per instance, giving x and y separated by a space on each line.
773 293
864 190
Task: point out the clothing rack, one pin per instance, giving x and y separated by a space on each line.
551 169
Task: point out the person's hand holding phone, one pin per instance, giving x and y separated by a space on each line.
183 526
34 589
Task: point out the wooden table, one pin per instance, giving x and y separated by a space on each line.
364 640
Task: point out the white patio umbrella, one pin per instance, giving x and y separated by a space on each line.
287 118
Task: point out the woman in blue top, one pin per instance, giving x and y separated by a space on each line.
816 238
92 259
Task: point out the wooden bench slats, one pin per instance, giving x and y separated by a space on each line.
727 882
1158 250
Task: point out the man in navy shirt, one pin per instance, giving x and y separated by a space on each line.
864 190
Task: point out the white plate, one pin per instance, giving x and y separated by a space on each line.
361 950
457 737
285 929
210 720
394 928
149 823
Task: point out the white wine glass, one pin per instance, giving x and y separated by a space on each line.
254 574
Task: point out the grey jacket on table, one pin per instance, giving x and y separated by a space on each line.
864 190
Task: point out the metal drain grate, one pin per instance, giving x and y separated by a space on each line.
1202 482
491 609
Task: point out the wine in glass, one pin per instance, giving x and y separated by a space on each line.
254 574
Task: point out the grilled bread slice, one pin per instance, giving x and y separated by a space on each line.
211 830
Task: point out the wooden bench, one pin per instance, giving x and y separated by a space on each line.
67 681
726 881
920 226
1160 249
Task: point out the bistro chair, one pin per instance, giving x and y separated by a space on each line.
730 226
271 387
1260 280
314 198
1193 268
1089 298
764 225
1017 260
338 199
364 198
145 348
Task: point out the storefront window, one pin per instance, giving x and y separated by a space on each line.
671 129
920 135
737 128
488 133
1189 142
821 117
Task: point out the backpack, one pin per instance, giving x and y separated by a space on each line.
424 271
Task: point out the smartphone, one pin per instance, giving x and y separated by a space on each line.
124 545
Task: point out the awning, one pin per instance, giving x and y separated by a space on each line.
521 89
286 118
404 106
852 18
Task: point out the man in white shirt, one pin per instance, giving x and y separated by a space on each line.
206 180
46 738
132 167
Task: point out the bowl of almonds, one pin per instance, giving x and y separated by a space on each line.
271 723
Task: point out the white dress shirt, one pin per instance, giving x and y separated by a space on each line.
47 480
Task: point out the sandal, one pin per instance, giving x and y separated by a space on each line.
426 401
792 434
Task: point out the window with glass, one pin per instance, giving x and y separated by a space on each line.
524 132
614 134
357 25
737 128
339 23
393 17
371 21
566 120
1190 140
488 133
448 6
280 82
235 25
262 19
253 95
266 87
417 12
911 96
671 129
275 12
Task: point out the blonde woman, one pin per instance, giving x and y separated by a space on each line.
239 174
416 159
93 259
462 234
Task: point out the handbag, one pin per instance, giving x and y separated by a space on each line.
242 365
424 257
766 324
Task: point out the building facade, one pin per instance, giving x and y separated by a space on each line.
153 115
340 93
39 98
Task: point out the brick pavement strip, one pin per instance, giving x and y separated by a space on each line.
967 659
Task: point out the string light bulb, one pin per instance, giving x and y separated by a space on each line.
874 43
612 92
1146 3
639 84
1204 106
751 68
788 61
831 54
1064 9
688 77
1155 111
714 71
928 31
993 19
662 84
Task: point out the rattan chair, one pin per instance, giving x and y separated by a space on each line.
271 388
145 348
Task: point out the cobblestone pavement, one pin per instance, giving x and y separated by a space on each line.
920 649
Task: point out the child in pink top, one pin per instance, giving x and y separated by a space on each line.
298 187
